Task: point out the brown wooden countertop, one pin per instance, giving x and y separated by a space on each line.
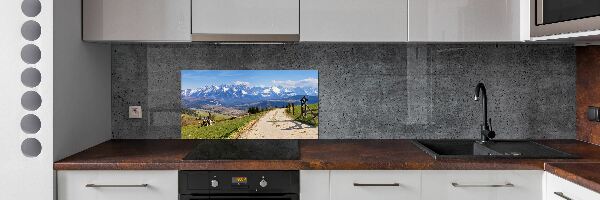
584 174
331 155
314 154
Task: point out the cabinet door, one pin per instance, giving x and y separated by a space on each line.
468 20
560 189
136 20
245 17
117 185
314 185
354 21
376 185
482 185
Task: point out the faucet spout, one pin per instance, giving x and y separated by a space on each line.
486 132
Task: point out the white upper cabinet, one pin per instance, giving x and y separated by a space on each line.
307 20
354 20
136 20
245 20
468 20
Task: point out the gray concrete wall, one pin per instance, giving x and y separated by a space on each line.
369 90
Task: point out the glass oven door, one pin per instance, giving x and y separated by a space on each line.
241 197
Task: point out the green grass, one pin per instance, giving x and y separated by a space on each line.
189 119
215 116
220 130
309 119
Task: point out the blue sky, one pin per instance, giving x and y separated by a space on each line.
289 78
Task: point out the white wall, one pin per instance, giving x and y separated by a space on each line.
82 89
24 177
74 76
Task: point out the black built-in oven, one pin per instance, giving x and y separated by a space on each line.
234 185
551 17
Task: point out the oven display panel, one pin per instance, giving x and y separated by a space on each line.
239 180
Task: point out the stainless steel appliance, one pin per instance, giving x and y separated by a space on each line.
552 17
233 185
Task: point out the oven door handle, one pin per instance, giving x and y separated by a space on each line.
286 196
192 197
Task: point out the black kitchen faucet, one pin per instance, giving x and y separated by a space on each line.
486 129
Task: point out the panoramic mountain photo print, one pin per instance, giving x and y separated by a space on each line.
249 104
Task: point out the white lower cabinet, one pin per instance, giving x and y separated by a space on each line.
482 185
341 185
375 185
422 184
117 185
314 184
560 189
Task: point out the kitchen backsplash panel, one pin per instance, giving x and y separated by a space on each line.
588 92
369 91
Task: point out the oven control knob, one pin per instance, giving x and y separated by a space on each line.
263 183
214 183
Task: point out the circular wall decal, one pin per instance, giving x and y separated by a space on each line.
31 30
31 77
30 124
31 54
31 8
31 100
31 147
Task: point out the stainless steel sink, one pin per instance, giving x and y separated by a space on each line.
471 149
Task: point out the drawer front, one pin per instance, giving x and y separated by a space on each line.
314 184
117 185
376 185
482 185
560 189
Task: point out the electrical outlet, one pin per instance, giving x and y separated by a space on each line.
135 112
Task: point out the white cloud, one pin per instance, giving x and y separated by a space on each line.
309 82
241 83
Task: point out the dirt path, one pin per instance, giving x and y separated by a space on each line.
275 124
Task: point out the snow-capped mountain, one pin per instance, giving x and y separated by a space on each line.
238 95
243 91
